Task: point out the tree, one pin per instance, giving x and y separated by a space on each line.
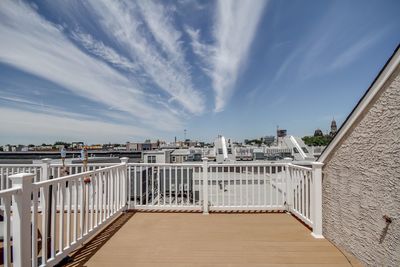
317 140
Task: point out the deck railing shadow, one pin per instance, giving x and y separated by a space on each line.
82 255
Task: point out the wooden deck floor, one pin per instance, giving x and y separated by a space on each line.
191 239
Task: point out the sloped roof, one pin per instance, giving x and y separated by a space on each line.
364 104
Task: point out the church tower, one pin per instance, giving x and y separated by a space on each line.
333 128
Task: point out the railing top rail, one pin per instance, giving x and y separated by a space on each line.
80 164
300 167
200 164
244 164
9 192
213 164
75 176
16 165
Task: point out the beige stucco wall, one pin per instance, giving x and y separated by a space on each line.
361 183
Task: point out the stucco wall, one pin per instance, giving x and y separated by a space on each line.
361 183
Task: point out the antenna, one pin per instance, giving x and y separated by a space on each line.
185 131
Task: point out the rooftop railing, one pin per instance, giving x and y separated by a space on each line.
57 215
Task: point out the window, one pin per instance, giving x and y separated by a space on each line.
151 159
173 159
295 150
229 150
220 151
304 149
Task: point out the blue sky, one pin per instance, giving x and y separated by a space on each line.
116 71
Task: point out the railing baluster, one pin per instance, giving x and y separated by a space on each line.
176 186
61 226
188 186
76 200
44 204
34 219
265 186
234 187
182 186
69 206
7 231
164 185
141 185
170 185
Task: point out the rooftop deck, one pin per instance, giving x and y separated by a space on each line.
221 239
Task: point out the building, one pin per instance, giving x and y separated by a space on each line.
318 132
77 145
361 174
157 156
333 128
223 149
180 155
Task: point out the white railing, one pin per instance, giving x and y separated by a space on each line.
58 170
7 170
67 210
246 186
165 186
52 218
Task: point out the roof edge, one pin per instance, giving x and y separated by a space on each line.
376 86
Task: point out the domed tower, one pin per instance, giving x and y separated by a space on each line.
333 128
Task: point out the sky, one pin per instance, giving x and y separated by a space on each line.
114 71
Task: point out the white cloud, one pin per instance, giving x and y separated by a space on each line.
236 25
166 67
30 43
99 49
204 51
27 126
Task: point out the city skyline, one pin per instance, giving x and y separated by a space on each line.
120 71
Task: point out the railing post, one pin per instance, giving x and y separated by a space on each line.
126 183
288 189
205 185
21 214
45 168
317 199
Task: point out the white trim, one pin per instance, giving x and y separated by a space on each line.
366 100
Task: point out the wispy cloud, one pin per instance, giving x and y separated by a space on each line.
355 50
235 29
166 67
327 47
205 52
106 53
32 44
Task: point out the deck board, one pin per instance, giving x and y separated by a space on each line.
193 239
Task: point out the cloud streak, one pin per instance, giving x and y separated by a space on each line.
39 47
166 67
106 53
236 23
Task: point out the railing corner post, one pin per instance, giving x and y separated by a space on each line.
317 199
288 189
205 185
126 183
124 160
21 214
45 169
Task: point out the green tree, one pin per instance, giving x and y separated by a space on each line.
317 140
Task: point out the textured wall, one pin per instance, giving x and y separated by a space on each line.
361 183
